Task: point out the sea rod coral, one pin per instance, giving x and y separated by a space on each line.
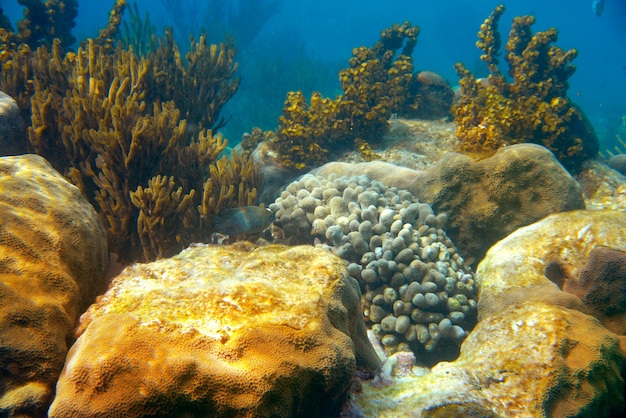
418 293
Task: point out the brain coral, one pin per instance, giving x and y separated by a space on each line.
222 332
418 293
52 257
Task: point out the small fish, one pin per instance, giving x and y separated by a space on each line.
598 7
243 220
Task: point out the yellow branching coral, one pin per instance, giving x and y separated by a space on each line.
108 34
15 71
249 141
233 182
530 107
161 210
117 125
378 83
45 22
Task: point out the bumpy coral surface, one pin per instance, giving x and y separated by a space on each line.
577 262
418 293
545 254
220 332
52 258
535 351
527 360
601 285
485 200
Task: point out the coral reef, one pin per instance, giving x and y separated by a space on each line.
530 359
53 255
379 83
535 351
119 125
15 71
418 293
46 21
200 84
135 134
108 35
533 106
220 331
549 262
484 200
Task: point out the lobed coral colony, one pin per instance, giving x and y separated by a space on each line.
135 134
531 106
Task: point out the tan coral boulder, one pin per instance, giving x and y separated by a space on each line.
52 257
485 200
12 131
536 261
535 352
221 332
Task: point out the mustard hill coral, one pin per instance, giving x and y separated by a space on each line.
533 106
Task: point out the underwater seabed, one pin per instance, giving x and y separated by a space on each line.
278 330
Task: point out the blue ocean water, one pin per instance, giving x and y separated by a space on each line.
301 45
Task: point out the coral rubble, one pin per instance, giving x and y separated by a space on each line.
53 255
533 106
220 331
418 293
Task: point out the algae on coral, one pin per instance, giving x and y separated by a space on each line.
533 106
